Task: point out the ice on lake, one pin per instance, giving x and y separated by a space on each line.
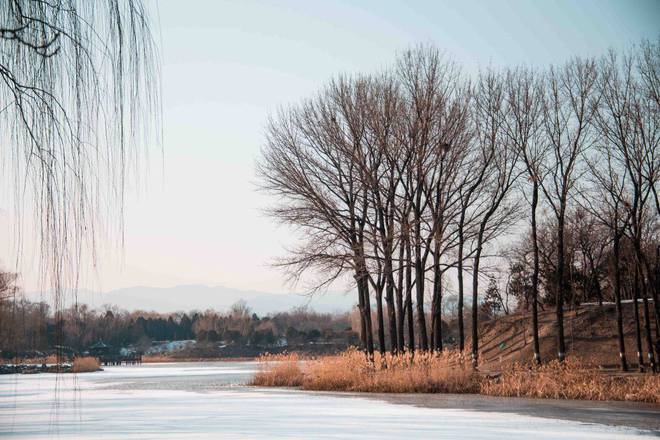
208 400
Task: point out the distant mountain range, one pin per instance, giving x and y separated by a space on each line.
201 297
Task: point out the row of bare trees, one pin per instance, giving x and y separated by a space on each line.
416 175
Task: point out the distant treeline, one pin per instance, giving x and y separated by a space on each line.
27 326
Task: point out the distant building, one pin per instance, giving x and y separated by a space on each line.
99 349
281 342
160 347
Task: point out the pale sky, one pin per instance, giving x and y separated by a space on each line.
227 65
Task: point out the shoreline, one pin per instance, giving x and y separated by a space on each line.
32 366
166 360
7 369
639 415
451 373
442 400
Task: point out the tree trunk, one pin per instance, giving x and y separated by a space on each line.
561 286
421 319
399 301
381 323
385 228
653 287
461 244
363 291
475 302
598 289
638 331
389 298
647 321
363 321
419 297
535 277
419 272
436 312
409 306
617 296
369 327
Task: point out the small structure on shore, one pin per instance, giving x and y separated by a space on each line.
107 356
99 349
64 353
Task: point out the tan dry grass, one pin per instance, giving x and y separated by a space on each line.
51 359
85 364
451 372
282 370
574 379
352 371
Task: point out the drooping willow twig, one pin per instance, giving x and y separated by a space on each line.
79 102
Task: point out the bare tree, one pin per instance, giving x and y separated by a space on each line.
628 124
427 82
314 163
442 193
522 126
494 211
475 170
567 114
383 153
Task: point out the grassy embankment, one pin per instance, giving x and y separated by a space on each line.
451 372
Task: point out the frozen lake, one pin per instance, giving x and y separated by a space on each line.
207 400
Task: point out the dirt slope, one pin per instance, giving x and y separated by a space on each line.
590 333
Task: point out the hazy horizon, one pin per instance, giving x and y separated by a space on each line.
200 297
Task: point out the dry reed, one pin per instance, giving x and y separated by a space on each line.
85 364
279 371
451 372
574 379
352 371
